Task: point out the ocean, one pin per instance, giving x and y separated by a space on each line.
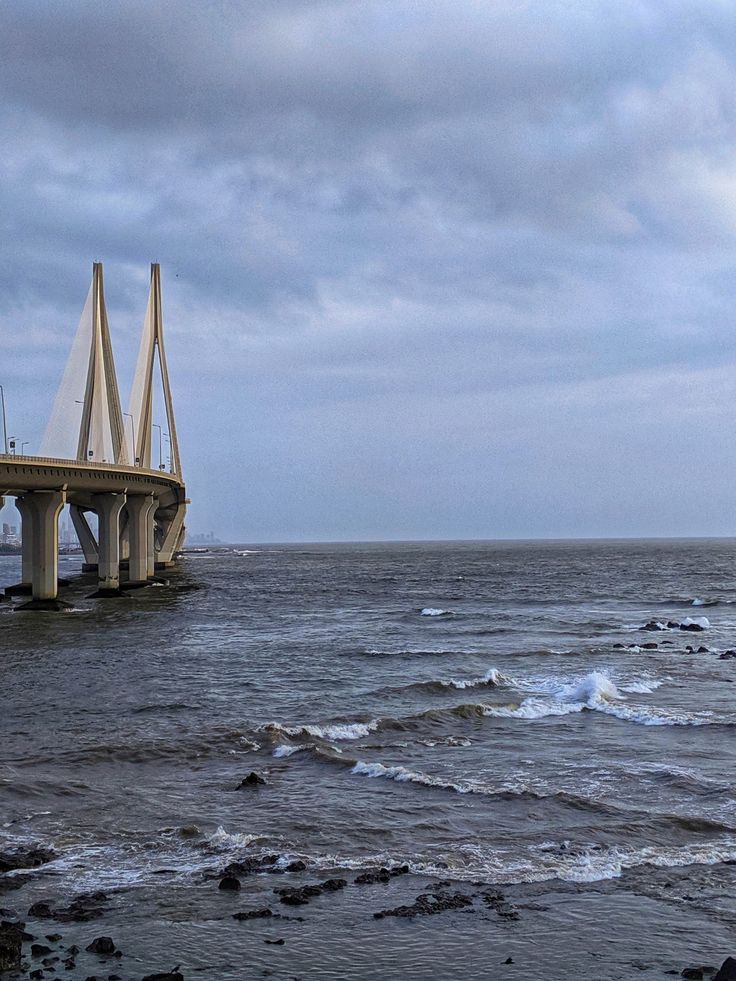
487 721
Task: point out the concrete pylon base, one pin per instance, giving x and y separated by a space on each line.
19 589
43 606
106 593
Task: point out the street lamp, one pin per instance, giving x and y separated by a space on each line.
136 459
24 443
168 440
5 424
11 444
155 425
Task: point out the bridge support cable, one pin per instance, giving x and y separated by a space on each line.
89 381
152 348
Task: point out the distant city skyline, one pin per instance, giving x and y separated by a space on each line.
433 271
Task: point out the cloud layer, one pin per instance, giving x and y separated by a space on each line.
450 269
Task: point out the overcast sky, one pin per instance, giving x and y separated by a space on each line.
431 268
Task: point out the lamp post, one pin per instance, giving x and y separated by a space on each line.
132 428
5 424
24 443
155 425
168 440
11 443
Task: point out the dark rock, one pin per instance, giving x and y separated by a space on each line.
509 960
252 780
39 950
649 647
229 883
727 655
496 901
297 866
428 905
101 945
294 899
672 625
38 973
69 963
703 650
248 865
727 970
172 975
278 942
380 875
694 627
332 885
41 911
11 942
692 973
618 647
652 625
87 906
53 938
253 914
73 950
31 858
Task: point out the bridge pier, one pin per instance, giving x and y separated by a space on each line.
108 508
40 510
24 587
140 538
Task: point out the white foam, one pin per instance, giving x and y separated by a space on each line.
335 730
703 622
285 750
595 692
492 677
223 839
431 611
403 775
698 602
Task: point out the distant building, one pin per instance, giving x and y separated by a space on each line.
203 539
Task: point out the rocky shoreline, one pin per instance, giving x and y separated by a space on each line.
37 944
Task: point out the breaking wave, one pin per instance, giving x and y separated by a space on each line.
596 692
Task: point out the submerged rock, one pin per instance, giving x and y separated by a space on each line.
30 858
173 975
428 904
11 942
229 883
101 945
249 865
380 875
252 780
254 914
727 970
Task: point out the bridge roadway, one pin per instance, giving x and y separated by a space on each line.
140 514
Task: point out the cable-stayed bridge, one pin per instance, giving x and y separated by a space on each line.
97 459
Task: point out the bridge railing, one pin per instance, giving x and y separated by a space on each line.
87 465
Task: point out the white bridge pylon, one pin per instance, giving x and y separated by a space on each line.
141 396
88 400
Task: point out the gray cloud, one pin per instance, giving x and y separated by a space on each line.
430 270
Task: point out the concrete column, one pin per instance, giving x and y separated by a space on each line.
151 540
108 508
139 507
26 537
44 508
